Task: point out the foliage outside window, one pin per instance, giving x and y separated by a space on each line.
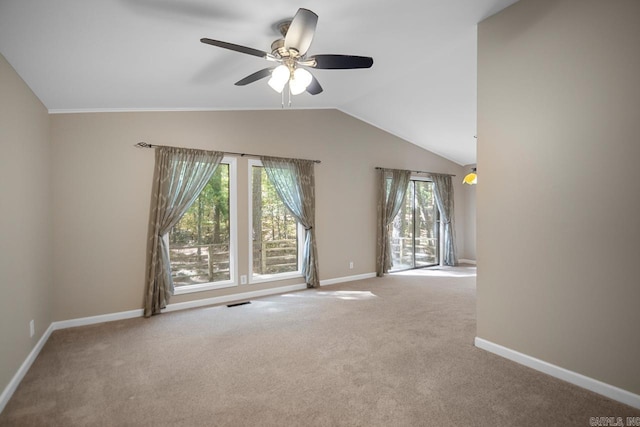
276 234
199 244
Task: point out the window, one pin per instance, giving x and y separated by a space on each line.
276 238
202 244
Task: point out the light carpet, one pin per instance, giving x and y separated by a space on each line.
392 351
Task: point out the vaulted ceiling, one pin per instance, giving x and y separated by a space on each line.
129 55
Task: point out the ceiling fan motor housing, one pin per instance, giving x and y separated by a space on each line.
283 26
279 51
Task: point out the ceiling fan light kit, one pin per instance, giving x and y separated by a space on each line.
279 78
290 52
299 81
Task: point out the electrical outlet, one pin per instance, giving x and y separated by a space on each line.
32 328
351 265
243 279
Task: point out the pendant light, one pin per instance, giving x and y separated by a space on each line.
471 178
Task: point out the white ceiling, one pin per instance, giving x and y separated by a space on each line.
129 55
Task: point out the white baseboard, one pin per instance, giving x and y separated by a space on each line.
467 261
328 282
233 297
84 321
575 378
91 320
261 293
24 368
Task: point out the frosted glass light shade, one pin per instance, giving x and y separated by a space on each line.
279 78
300 80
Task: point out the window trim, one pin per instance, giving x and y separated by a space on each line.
233 238
268 277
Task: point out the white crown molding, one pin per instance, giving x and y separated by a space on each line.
170 110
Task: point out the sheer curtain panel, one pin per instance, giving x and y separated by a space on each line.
180 175
392 189
293 180
443 189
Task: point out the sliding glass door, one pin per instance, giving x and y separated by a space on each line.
416 229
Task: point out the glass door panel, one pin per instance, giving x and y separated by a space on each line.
426 225
402 234
415 232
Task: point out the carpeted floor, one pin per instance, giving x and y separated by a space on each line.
396 351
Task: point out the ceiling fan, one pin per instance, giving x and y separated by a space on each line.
291 53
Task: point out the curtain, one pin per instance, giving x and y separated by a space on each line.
391 195
443 189
180 175
293 180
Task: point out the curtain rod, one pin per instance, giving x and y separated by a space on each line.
147 145
430 173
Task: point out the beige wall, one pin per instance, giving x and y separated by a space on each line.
102 188
25 225
559 194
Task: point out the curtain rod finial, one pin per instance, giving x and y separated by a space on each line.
143 144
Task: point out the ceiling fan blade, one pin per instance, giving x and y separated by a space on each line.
314 87
301 31
341 62
236 47
255 76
